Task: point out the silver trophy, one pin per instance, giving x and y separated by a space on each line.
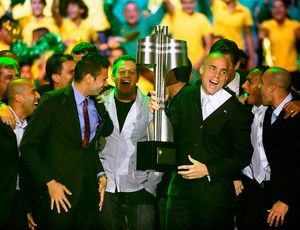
161 54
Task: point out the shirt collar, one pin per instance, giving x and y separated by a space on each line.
20 123
218 98
79 98
288 98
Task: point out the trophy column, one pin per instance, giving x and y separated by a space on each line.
161 54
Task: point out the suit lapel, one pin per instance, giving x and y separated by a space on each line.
101 110
70 104
197 103
224 109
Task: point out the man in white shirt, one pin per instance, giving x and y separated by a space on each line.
130 193
252 202
22 101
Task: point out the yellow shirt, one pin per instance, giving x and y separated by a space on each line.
29 24
97 17
73 34
4 46
192 29
230 25
283 43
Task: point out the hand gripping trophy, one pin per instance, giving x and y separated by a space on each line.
161 54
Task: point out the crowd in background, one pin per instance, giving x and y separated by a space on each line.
112 24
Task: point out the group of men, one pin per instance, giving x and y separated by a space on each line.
81 188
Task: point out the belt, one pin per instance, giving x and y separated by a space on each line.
262 185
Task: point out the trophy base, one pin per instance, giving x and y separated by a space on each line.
156 155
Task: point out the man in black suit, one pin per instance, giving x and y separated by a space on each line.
22 100
58 148
281 143
212 129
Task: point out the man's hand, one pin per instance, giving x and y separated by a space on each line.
7 116
31 223
292 108
57 194
238 187
102 188
154 101
100 99
195 171
277 214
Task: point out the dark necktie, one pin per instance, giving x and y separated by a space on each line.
267 119
86 124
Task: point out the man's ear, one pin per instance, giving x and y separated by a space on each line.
18 97
272 87
55 78
201 70
88 78
113 78
237 65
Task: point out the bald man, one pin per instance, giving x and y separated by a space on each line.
22 101
212 129
281 143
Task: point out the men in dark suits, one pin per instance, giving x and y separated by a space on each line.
58 148
22 100
280 139
212 129
253 193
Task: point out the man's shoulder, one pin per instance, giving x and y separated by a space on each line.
238 107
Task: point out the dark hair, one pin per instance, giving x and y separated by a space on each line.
54 64
84 47
42 1
41 31
125 57
82 6
183 73
227 46
4 19
91 63
262 68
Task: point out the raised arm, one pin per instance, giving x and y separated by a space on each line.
55 13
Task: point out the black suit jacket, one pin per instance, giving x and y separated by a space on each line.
221 141
281 143
9 169
52 146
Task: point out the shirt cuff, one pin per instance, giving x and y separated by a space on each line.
100 174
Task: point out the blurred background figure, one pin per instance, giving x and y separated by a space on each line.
282 34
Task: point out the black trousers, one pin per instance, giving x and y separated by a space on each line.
18 217
81 217
253 204
184 214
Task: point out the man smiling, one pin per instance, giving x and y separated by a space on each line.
212 129
130 193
